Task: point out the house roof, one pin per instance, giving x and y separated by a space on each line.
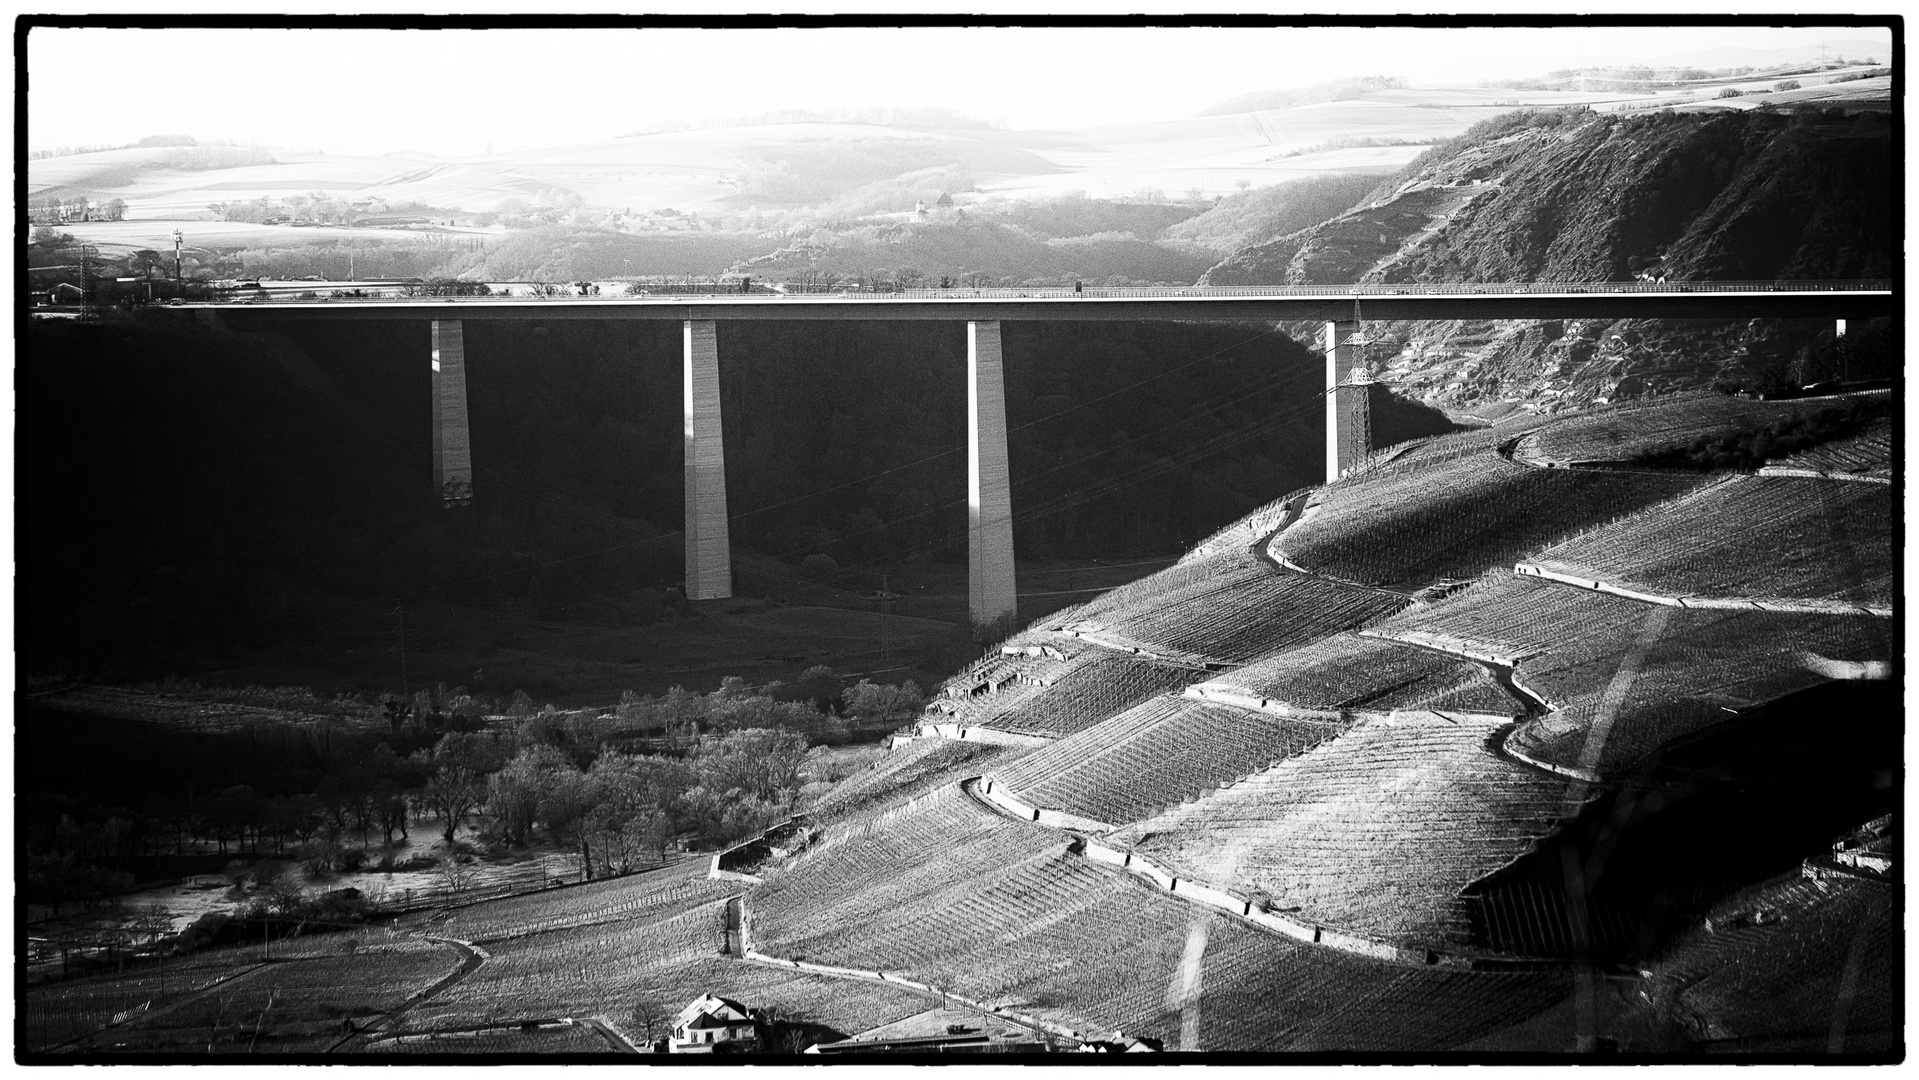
711 1010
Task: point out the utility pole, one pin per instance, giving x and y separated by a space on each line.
177 239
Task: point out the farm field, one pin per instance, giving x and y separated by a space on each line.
1158 754
1659 426
203 711
1691 668
1868 453
1373 832
62 1012
1792 965
1410 525
707 169
1231 608
1754 536
1347 671
287 1005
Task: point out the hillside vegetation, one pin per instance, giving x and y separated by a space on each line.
1411 790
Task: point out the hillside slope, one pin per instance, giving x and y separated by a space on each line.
1298 740
1572 195
1580 196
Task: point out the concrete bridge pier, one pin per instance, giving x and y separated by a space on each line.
452 445
709 559
1348 403
990 586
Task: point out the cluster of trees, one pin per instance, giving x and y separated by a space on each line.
53 210
617 789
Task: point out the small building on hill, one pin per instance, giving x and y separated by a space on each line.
713 1024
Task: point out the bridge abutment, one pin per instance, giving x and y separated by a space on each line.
452 442
709 559
990 586
1348 404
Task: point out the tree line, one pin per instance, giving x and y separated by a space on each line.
618 790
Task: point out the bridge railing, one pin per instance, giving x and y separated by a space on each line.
1322 292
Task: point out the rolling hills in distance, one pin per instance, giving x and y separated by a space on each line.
1313 190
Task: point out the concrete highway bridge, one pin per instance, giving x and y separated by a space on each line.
991 591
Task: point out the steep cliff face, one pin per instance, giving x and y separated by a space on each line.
1579 196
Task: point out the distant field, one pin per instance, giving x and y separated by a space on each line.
120 237
714 170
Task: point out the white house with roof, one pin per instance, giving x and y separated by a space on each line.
712 1023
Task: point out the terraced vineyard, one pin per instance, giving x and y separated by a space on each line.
656 894
1506 615
1155 755
1792 965
1660 426
1869 453
1375 832
1443 448
1691 669
608 969
545 1039
1173 584
1100 687
1049 934
906 772
288 1006
1752 536
1702 667
1347 671
60 1012
1266 994
1245 532
1242 608
1410 527
947 823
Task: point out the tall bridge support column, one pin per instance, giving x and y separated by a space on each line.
452 445
990 587
709 559
1348 405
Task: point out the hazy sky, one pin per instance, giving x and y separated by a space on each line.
457 92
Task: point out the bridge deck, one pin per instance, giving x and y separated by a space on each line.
1721 300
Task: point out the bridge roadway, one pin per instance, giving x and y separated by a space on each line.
991 586
1327 303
